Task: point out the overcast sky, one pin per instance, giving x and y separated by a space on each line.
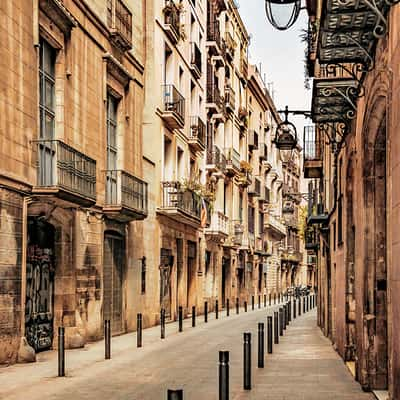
281 54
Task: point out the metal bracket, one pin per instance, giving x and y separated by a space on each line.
339 129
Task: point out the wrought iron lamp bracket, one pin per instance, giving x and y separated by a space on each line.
339 130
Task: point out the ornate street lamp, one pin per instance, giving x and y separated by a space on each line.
282 14
286 138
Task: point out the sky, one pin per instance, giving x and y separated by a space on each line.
281 54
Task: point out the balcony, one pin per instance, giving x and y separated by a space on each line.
244 67
126 196
274 225
172 26
264 196
255 188
65 172
214 41
317 214
253 140
197 134
195 60
216 161
229 98
291 256
215 100
232 161
230 46
174 107
312 37
119 20
313 146
236 234
311 238
219 228
180 204
263 152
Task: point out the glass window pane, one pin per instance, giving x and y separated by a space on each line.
49 126
48 59
49 93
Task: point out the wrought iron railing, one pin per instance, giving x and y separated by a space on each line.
232 158
253 139
60 165
312 144
237 230
119 19
229 97
126 190
214 95
196 58
214 32
197 130
174 101
176 197
172 16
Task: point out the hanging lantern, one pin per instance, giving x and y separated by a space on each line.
286 138
282 14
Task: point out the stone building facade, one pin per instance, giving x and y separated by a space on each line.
353 165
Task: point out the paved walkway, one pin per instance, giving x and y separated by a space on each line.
303 366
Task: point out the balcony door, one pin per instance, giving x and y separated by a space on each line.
191 274
46 146
111 177
113 273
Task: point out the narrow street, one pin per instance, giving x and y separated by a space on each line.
303 364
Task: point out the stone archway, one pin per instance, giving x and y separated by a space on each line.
374 369
350 345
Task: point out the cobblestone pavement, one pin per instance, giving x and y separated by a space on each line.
302 366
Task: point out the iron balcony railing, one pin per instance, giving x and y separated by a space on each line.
232 159
229 97
196 58
255 187
312 144
219 223
311 238
197 130
253 140
172 17
126 190
214 95
173 101
119 19
176 197
213 32
263 151
60 165
237 230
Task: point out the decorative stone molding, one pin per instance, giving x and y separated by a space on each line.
117 70
58 13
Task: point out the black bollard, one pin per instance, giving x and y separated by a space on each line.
193 316
245 306
180 318
265 300
269 299
304 305
252 302
205 311
216 309
299 306
223 375
269 333
107 339
307 308
274 298
247 361
162 323
259 301
61 351
284 317
289 306
294 308
227 307
175 394
261 351
276 327
237 305
280 321
139 330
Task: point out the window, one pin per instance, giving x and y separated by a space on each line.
143 275
240 207
260 222
251 219
111 181
47 61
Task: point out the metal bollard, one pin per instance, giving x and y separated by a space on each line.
307 308
299 306
289 307
216 309
265 300
269 333
107 339
294 308
259 301
237 305
139 330
261 346
247 361
162 323
61 351
284 317
180 318
227 307
205 311
274 298
223 375
245 306
269 299
175 394
304 305
280 321
252 302
276 327
193 316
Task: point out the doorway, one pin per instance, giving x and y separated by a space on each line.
113 274
191 275
40 271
